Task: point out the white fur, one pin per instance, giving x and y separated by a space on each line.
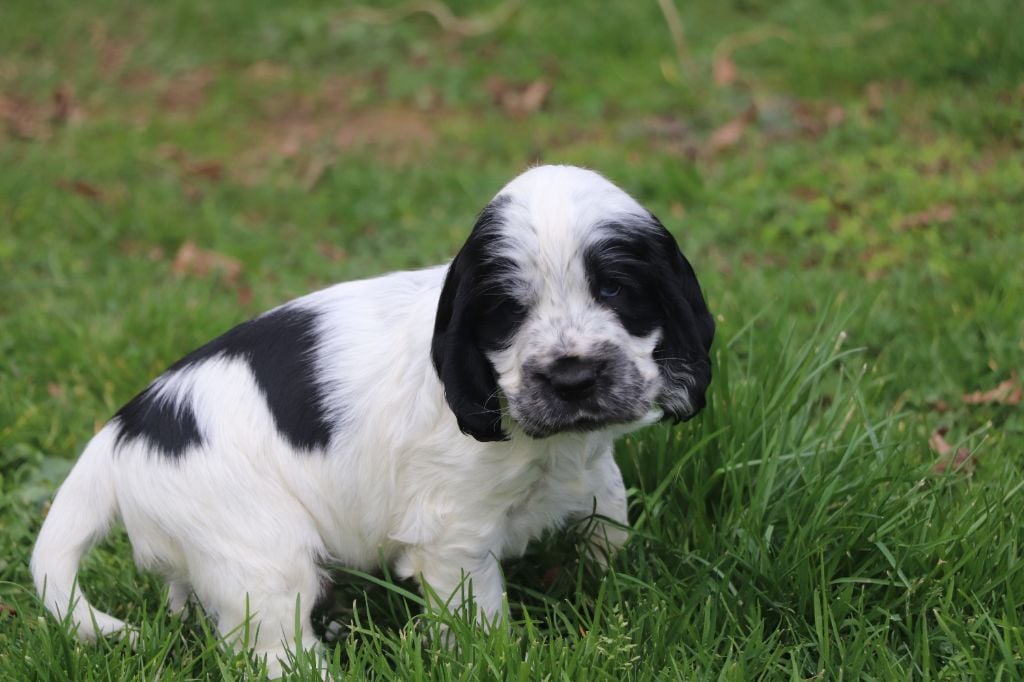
246 516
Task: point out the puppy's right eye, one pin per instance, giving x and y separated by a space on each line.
609 290
505 306
499 321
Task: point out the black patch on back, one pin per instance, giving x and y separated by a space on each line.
169 428
279 348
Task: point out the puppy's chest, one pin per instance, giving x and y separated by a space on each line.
562 491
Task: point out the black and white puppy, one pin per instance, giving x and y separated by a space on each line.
440 418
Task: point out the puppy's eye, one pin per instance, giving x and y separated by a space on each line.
507 307
513 307
609 290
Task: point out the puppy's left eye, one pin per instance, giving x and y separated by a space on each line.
609 290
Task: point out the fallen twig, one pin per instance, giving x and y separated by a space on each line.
722 54
440 12
675 27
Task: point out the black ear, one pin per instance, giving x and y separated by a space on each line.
470 385
687 334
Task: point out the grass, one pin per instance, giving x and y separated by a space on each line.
859 240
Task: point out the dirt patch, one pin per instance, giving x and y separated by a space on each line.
24 117
390 129
186 93
314 130
113 50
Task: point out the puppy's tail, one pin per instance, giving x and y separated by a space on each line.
81 514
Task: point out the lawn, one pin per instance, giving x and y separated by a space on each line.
847 179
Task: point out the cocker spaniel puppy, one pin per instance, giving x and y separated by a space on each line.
440 418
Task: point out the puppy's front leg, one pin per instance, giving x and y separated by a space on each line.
450 579
608 500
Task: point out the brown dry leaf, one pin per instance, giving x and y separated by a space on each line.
113 52
265 71
207 170
137 249
24 118
724 71
138 79
804 193
814 119
533 96
876 98
940 213
960 460
244 295
186 92
807 117
672 134
1007 392
55 390
81 188
169 152
731 133
331 252
519 100
314 173
65 106
937 442
835 115
210 170
196 262
113 57
7 610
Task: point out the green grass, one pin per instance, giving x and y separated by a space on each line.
865 269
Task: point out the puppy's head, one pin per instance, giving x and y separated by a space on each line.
569 308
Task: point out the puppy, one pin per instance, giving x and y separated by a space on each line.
440 418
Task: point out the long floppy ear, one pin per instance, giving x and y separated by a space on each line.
470 385
689 329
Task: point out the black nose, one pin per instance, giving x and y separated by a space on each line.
574 378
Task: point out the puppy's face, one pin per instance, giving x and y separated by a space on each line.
570 308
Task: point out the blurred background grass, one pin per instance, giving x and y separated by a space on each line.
170 169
